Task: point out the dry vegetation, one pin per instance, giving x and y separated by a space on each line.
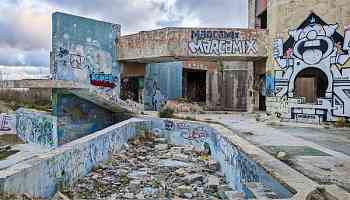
11 99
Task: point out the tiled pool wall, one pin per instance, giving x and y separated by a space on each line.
236 165
41 176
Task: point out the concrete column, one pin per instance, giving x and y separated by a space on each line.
251 13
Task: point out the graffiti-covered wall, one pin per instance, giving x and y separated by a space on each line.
37 127
163 81
238 168
84 50
188 43
317 50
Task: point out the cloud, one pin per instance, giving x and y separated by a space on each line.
13 57
25 25
23 72
217 13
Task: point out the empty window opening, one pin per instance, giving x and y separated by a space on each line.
312 84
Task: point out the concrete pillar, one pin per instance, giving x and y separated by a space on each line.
251 13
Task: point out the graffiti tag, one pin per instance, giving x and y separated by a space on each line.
220 43
222 47
101 79
5 123
183 126
37 130
198 133
169 125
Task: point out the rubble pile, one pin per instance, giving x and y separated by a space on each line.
150 168
182 106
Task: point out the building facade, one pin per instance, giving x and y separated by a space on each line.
291 61
308 75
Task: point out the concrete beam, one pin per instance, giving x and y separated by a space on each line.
171 44
44 84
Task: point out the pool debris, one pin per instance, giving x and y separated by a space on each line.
152 169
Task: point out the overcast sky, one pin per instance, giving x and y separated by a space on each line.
25 25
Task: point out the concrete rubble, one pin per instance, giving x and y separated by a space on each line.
150 169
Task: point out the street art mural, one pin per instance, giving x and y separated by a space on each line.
206 42
84 50
37 127
317 48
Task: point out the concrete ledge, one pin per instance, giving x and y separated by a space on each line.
45 84
107 101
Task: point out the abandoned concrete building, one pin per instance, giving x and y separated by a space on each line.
291 61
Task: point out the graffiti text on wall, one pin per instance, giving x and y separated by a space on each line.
220 43
100 79
81 62
36 129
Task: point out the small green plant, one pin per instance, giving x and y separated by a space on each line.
167 113
190 118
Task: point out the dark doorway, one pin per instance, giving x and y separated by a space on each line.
131 88
262 92
194 85
312 84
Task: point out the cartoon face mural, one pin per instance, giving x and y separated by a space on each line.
314 45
